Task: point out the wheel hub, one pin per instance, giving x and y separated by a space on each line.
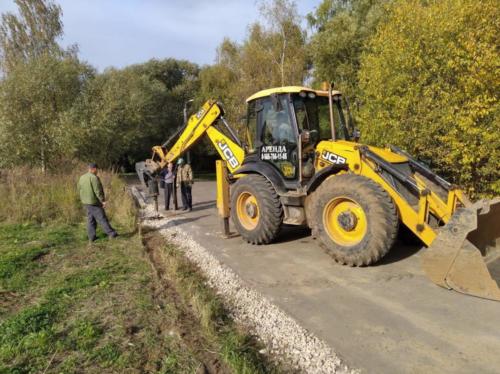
251 209
247 210
347 220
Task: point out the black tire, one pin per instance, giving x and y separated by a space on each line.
270 217
380 214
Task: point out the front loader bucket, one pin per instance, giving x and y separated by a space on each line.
465 256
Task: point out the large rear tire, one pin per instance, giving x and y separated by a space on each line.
354 219
256 209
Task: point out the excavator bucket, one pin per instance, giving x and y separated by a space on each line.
465 256
146 170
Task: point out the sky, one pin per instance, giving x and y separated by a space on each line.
123 32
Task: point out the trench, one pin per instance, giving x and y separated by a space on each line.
187 324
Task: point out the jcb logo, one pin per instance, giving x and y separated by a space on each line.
228 154
333 158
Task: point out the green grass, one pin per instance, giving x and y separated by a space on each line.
68 307
71 305
22 248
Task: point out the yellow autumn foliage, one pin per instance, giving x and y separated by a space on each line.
430 80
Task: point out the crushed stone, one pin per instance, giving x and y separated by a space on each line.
285 339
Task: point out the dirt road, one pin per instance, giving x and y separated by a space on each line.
387 318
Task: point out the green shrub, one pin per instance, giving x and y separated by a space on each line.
430 83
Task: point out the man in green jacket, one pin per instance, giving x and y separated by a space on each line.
94 201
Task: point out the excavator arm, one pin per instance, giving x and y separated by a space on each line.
201 123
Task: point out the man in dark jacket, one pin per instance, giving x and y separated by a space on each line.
185 182
168 176
94 201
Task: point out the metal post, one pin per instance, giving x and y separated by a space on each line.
330 105
223 195
225 227
154 192
155 199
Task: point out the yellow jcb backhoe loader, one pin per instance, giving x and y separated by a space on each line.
301 164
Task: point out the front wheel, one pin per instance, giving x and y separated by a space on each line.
354 219
256 209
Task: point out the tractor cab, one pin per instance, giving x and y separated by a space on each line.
284 126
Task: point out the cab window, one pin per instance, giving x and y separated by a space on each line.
313 114
277 128
278 137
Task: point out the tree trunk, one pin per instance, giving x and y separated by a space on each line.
42 157
283 60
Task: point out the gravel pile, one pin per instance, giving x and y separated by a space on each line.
284 338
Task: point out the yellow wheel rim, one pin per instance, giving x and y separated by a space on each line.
247 210
345 221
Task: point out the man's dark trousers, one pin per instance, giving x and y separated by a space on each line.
96 214
187 200
169 190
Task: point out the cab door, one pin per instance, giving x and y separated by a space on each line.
277 136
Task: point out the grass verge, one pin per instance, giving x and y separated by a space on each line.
238 350
67 307
27 195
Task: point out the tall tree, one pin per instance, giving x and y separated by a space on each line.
283 39
124 112
220 80
342 29
34 99
274 54
31 34
40 83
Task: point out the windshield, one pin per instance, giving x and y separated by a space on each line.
313 114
